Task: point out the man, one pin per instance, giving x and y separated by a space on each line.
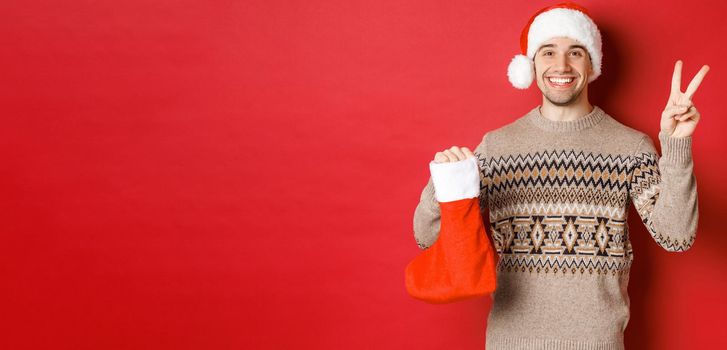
557 183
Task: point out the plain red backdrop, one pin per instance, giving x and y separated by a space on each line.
243 175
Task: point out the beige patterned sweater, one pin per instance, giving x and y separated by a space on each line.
557 193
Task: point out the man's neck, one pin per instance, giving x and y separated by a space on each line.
565 113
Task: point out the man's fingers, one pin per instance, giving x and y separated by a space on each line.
676 78
673 111
453 154
467 152
458 152
439 157
452 157
694 84
691 113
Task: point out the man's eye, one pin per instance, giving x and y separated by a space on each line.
577 53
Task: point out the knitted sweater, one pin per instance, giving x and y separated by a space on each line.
557 193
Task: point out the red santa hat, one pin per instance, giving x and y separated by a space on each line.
562 20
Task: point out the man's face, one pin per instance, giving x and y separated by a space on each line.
562 68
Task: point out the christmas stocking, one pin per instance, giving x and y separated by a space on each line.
461 263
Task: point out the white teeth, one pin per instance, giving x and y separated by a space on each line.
561 80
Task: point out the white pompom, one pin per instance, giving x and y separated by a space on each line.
521 71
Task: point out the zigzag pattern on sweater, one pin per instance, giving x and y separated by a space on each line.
564 168
579 205
645 179
562 264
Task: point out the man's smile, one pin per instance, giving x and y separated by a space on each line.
560 82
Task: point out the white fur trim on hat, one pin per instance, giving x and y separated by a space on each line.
563 22
521 72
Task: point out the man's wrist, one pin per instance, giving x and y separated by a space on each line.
675 149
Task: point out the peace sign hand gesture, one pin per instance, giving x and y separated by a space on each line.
680 116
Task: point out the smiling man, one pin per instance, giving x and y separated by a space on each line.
565 68
556 184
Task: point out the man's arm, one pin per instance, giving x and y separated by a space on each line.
427 218
427 214
664 191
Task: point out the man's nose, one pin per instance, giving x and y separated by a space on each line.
561 63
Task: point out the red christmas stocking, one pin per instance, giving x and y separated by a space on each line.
460 264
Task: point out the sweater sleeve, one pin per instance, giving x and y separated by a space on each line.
664 191
427 214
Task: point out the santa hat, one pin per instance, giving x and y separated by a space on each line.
562 20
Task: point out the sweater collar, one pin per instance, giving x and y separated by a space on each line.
584 122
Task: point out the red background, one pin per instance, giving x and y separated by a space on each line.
228 175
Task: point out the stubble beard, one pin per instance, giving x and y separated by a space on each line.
558 99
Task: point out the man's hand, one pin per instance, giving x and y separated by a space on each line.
680 116
453 154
